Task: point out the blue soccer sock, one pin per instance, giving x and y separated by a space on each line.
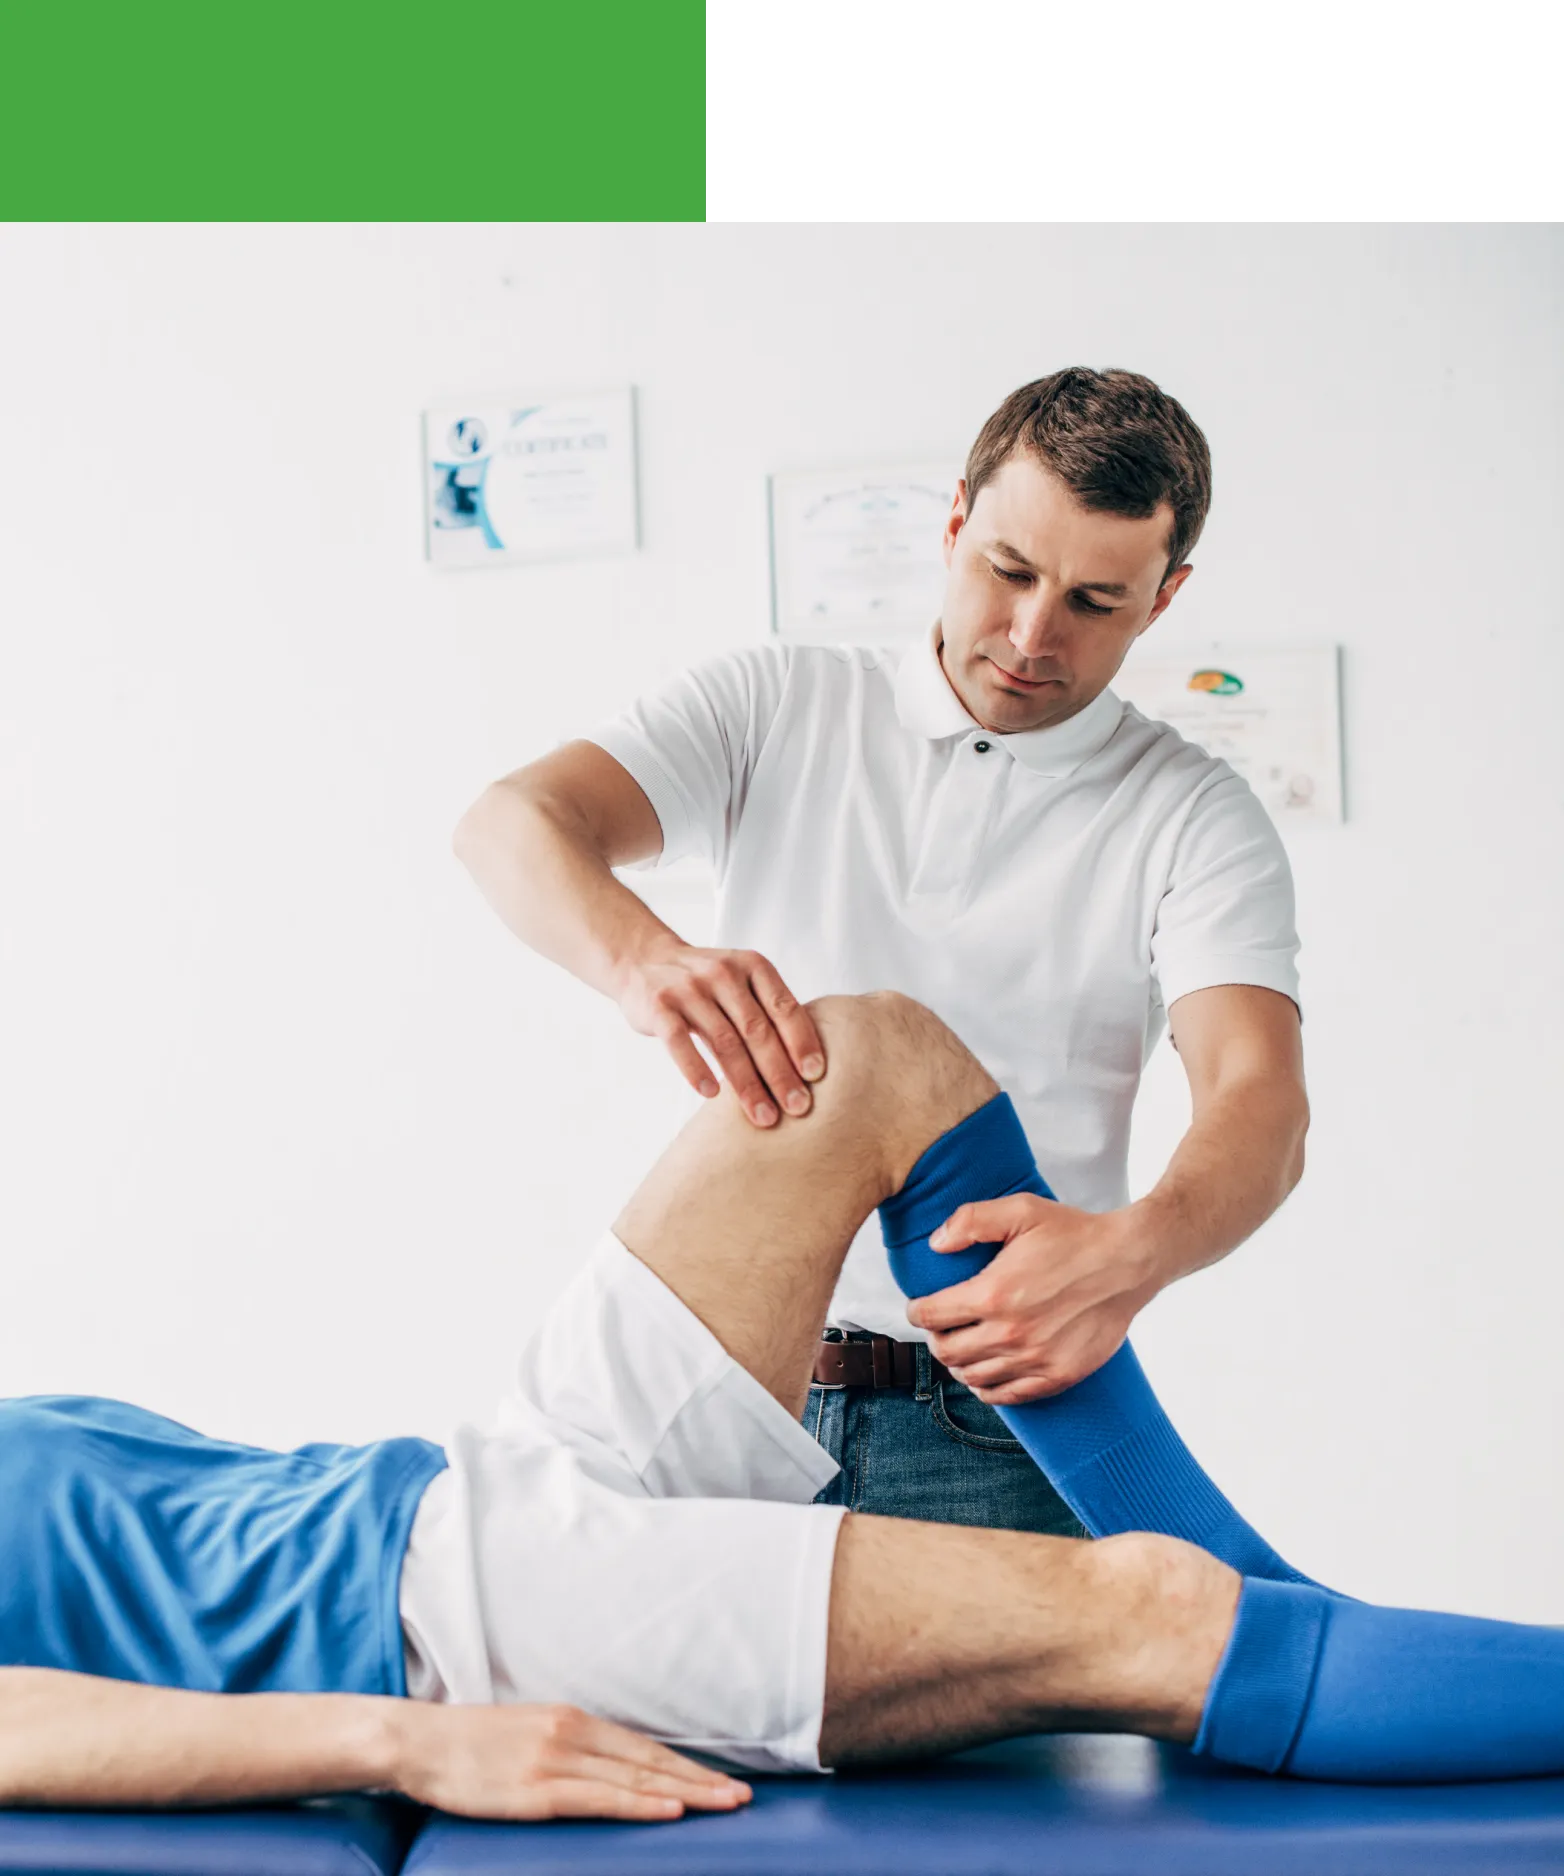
1107 1445
1311 1683
1321 1687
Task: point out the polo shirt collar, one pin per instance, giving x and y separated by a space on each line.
926 705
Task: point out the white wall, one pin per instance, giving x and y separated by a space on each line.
296 1140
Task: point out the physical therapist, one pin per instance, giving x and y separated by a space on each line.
980 823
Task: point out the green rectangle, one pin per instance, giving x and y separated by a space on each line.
580 110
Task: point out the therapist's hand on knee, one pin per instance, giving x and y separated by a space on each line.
1052 1307
735 1004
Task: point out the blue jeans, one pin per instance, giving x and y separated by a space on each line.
932 1451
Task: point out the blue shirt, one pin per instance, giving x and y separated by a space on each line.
132 1547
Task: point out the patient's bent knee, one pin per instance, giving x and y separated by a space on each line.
864 1035
890 1058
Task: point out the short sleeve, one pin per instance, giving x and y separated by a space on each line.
1228 915
692 745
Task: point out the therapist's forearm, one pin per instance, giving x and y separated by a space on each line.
543 857
537 864
1242 1155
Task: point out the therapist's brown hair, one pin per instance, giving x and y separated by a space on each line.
1117 442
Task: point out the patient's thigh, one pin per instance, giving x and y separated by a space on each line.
635 1535
700 1621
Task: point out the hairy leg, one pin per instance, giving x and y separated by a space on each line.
943 1637
938 1636
749 1227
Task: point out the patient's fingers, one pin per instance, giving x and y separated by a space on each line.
609 1771
596 1797
609 1740
712 1792
587 1767
720 1794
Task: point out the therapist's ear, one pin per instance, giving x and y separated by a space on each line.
1166 591
955 521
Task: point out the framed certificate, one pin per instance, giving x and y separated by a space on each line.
508 479
1273 712
855 553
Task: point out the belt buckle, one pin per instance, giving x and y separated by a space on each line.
833 1335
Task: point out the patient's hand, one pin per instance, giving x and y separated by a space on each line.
531 1762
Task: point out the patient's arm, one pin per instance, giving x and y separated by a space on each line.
70 1741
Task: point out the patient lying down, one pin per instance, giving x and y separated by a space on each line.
542 1618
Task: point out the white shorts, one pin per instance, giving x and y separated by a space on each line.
634 1537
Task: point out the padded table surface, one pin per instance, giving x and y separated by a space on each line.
335 1837
1071 1806
1037 1807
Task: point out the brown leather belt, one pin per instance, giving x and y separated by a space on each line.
873 1361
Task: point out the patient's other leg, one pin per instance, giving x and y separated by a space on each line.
943 1637
749 1228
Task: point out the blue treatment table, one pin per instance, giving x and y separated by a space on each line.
1036 1807
1044 1807
333 1837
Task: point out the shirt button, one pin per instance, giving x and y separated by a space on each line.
982 748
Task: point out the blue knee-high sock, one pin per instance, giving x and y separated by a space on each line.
1321 1687
1110 1450
1310 1683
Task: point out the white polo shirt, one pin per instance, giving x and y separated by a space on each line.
1049 893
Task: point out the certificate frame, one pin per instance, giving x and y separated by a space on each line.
514 480
1272 711
855 552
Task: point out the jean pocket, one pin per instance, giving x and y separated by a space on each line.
958 1413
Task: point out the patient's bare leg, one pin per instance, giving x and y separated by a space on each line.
749 1227
939 1636
943 1637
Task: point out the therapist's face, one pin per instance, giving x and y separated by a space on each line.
1044 597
